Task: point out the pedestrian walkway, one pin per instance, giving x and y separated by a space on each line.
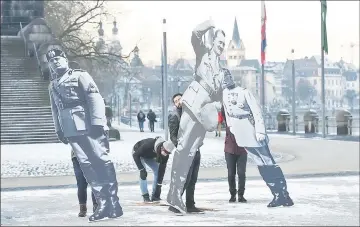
318 202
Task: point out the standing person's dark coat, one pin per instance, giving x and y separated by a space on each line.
151 116
141 119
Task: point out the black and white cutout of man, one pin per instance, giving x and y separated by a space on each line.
79 116
244 118
201 103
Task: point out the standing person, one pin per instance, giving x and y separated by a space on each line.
108 114
201 103
236 159
244 119
151 116
79 116
148 152
174 124
141 120
81 187
220 121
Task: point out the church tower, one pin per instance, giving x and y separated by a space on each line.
236 50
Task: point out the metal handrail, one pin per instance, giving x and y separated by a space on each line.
37 58
23 36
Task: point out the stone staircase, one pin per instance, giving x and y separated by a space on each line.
25 107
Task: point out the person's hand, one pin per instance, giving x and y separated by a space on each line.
143 174
260 137
211 23
61 137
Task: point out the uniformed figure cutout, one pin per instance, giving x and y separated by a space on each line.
79 116
201 103
244 118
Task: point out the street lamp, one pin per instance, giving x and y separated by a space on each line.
165 82
293 91
179 85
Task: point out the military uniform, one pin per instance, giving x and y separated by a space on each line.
245 121
79 116
201 103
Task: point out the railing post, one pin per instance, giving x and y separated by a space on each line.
22 34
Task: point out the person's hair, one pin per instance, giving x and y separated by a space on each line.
177 94
219 31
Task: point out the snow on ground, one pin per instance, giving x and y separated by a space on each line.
318 201
55 159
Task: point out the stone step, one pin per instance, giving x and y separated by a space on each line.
29 124
52 139
29 134
31 116
27 131
24 97
19 86
23 120
26 109
36 123
22 93
39 114
25 81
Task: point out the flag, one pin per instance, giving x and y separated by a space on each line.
263 32
323 30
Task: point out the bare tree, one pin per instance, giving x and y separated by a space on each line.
73 23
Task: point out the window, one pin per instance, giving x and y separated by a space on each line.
315 82
235 57
230 57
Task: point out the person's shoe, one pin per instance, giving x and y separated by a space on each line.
146 198
193 209
241 199
232 198
83 210
155 199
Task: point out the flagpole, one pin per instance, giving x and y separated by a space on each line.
262 91
322 74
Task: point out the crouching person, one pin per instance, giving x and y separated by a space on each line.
153 153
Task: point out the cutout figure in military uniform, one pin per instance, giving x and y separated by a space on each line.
79 116
201 103
244 119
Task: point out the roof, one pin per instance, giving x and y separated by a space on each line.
183 64
350 75
251 63
136 62
236 35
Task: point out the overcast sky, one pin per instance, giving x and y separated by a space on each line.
291 24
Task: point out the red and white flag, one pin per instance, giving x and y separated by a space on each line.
263 32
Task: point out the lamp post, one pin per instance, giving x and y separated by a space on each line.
178 86
165 98
293 91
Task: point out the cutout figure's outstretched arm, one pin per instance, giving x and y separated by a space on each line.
197 34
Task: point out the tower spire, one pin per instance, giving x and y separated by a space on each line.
236 35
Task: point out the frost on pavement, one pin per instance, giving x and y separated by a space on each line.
55 159
318 201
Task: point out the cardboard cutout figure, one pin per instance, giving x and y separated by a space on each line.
201 103
79 116
244 118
